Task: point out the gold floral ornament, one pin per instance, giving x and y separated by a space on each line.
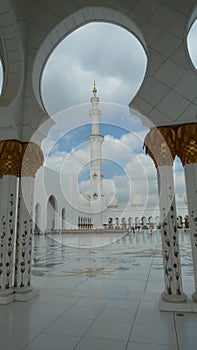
187 143
19 158
11 153
160 145
32 159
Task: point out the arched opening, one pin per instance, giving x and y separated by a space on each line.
124 224
1 77
110 223
120 72
150 222
117 226
191 43
137 223
130 220
63 219
79 222
37 227
157 222
180 221
52 213
73 23
144 222
186 219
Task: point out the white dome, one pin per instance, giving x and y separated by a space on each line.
137 200
112 201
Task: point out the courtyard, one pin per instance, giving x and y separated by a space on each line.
103 297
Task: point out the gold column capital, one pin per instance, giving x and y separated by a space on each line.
187 143
160 145
33 159
19 158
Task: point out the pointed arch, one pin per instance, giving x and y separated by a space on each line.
52 213
37 218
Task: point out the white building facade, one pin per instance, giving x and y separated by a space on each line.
69 209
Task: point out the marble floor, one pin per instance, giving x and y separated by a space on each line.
100 298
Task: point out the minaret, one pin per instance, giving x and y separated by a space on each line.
95 142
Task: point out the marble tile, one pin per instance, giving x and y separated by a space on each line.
145 346
16 338
100 344
82 312
109 330
69 326
52 341
153 334
122 304
116 315
85 301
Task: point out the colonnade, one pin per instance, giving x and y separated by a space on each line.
19 162
84 223
163 144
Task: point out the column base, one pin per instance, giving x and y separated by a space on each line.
26 295
6 298
194 296
23 289
174 298
176 307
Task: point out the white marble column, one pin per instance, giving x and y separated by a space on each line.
161 145
8 210
191 188
31 161
187 152
22 282
170 241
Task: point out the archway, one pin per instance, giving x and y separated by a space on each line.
63 219
110 223
190 39
144 222
72 23
1 77
52 213
37 218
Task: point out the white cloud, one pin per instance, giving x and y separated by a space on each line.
191 42
79 61
84 57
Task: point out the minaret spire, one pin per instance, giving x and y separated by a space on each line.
94 90
95 142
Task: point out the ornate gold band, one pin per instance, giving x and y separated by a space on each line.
19 158
159 143
187 143
164 143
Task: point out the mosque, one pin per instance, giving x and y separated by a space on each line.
30 31
57 209
70 209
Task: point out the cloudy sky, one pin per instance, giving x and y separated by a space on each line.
104 53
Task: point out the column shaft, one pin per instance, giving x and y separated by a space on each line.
191 188
170 244
22 281
8 210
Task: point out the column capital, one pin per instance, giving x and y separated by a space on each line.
187 143
32 160
19 158
160 145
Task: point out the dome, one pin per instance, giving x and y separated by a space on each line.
112 201
137 200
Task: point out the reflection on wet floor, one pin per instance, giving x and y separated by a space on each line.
137 249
